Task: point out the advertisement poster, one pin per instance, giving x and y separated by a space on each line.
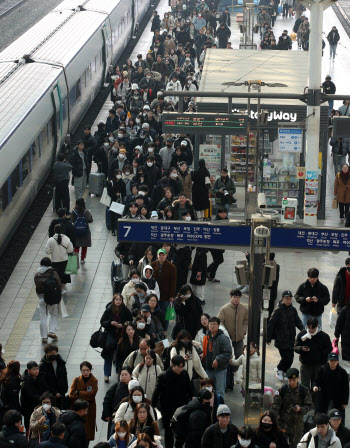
288 162
311 197
267 169
212 156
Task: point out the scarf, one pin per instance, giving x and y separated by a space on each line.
344 176
309 335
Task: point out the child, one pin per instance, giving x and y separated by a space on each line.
254 367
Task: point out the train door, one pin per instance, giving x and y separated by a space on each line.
57 121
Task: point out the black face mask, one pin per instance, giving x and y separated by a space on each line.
169 145
52 357
266 425
185 344
207 404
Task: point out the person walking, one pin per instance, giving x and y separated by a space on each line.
44 272
342 191
10 434
333 39
290 404
341 287
147 372
117 191
339 153
281 328
234 317
75 435
321 435
81 217
59 246
200 189
341 431
342 330
198 277
313 296
60 173
330 89
188 312
42 419
32 388
268 434
56 437
80 169
217 353
222 433
10 386
85 387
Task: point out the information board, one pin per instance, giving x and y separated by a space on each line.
212 156
290 139
211 234
196 123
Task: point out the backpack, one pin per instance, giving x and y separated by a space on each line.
80 225
302 389
52 293
179 421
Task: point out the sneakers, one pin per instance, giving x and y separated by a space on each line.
53 336
214 280
201 301
44 340
106 378
82 261
280 375
63 292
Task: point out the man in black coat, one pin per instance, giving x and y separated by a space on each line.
152 173
66 224
341 287
333 384
56 439
221 434
53 370
60 173
10 434
313 346
342 329
281 328
225 17
90 142
223 34
173 390
81 169
32 388
341 431
199 419
312 296
75 435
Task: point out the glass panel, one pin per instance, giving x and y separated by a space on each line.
65 108
35 152
78 90
15 181
4 200
72 96
43 138
26 165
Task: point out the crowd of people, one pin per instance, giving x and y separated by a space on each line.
178 386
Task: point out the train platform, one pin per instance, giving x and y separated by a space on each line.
90 289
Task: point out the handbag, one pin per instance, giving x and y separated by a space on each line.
98 339
335 203
72 264
105 198
170 313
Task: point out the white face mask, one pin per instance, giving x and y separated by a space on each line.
142 193
149 319
120 135
210 388
141 326
127 173
121 435
121 156
119 176
187 296
149 164
106 144
111 139
138 121
135 280
150 149
244 442
46 407
187 218
137 399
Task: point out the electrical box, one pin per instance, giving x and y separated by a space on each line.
289 209
241 277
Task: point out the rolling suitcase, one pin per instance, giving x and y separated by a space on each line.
97 182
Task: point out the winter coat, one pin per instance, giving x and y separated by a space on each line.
11 434
136 358
32 389
343 435
313 442
227 185
152 174
186 182
200 336
178 209
112 442
163 204
37 428
67 228
320 346
83 240
61 170
188 315
75 436
342 329
166 279
126 411
10 394
77 163
127 292
339 288
200 192
150 282
213 436
199 265
319 290
263 439
342 189
166 155
43 273
223 35
254 369
192 364
59 252
113 397
56 383
235 320
124 349
222 350
53 442
155 329
333 37
172 391
285 398
281 326
107 317
147 377
333 385
115 186
86 391
198 421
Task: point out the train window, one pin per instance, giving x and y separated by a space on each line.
88 75
35 152
48 130
93 65
43 138
15 181
26 165
78 90
72 96
83 80
65 109
4 196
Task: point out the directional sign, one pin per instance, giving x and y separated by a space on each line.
212 234
290 139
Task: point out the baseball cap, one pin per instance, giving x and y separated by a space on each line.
132 384
287 293
146 308
184 143
161 251
334 414
223 409
333 357
146 107
292 373
122 150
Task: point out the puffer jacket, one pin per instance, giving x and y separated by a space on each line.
282 324
127 292
147 377
198 421
319 290
150 282
188 206
254 369
222 350
59 251
75 436
43 273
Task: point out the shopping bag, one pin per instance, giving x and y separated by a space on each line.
62 310
170 312
118 208
293 36
335 348
335 203
105 198
72 264
332 317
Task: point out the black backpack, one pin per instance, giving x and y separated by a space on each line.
52 293
179 421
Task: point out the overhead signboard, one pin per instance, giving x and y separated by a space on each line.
290 139
211 234
196 123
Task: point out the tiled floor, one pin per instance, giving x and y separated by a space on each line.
90 290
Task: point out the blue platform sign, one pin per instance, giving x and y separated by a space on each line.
213 234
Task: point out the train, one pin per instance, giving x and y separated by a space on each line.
48 79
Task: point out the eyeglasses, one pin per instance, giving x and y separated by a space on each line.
213 324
